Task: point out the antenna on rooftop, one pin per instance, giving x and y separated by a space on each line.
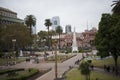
87 25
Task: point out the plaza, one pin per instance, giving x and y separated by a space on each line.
60 40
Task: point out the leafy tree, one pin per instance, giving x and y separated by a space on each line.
18 32
107 38
42 36
84 68
30 21
52 32
48 24
59 30
0 35
0 20
116 8
0 29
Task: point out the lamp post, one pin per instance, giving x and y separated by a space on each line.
82 37
56 72
13 41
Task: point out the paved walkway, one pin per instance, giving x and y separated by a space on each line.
62 67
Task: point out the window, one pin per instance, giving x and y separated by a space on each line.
55 22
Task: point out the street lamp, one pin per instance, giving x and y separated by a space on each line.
66 51
56 73
13 41
82 37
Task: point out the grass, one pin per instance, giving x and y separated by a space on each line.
4 61
101 63
75 74
60 58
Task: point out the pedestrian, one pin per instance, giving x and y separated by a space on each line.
113 69
108 68
92 67
105 67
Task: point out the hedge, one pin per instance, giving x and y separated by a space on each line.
31 73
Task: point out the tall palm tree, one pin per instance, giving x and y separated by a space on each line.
116 8
30 21
59 30
52 32
48 24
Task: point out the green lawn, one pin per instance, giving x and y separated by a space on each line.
101 63
74 74
4 61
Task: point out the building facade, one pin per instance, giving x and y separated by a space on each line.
55 22
84 39
89 36
8 17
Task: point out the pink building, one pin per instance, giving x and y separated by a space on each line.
84 39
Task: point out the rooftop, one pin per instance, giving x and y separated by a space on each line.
7 10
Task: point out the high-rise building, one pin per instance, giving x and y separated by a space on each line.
55 22
33 29
68 29
8 17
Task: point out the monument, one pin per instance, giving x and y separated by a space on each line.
74 44
21 53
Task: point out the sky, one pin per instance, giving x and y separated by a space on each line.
81 14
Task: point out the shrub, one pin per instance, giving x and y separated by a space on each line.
74 51
89 61
62 51
10 70
25 76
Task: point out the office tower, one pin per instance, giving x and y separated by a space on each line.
68 29
55 22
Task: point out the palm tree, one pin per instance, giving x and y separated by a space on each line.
48 24
116 8
59 30
52 32
30 21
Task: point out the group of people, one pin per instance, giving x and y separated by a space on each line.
77 62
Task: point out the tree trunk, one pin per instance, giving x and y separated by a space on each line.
51 41
87 77
48 39
116 65
31 39
59 41
30 31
